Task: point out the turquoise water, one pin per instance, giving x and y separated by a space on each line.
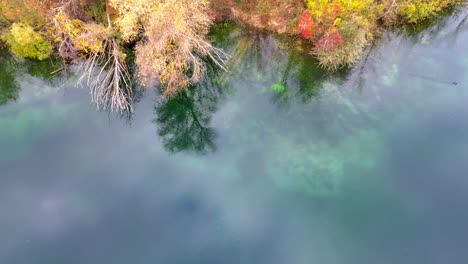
275 161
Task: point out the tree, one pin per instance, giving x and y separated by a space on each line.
97 48
173 50
24 42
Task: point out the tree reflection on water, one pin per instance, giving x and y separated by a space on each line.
184 121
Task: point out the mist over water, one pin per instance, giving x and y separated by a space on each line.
273 162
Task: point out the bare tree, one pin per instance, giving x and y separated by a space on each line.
95 48
107 76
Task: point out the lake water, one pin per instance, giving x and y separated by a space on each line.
273 162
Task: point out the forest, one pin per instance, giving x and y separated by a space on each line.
119 44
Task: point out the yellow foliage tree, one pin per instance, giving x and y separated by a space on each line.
24 42
416 11
174 47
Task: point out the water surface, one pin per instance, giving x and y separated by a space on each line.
273 162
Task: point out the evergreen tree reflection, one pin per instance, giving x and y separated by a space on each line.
184 120
9 88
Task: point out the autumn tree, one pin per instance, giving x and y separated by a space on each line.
29 12
25 42
173 50
97 49
171 47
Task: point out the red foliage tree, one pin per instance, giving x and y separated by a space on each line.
319 26
306 25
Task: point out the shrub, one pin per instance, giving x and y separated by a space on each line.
24 42
339 29
347 54
87 38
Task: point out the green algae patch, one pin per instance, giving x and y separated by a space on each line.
22 129
313 168
319 168
278 88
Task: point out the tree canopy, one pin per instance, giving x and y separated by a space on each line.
164 43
